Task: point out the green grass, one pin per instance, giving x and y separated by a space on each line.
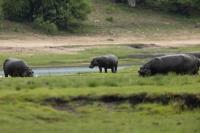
96 119
22 109
127 79
22 99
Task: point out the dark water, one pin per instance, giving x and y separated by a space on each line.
63 70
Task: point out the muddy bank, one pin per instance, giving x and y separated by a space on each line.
186 101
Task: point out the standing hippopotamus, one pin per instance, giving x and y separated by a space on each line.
178 63
16 68
106 62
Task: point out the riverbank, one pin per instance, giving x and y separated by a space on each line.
134 54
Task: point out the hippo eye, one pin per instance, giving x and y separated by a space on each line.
95 62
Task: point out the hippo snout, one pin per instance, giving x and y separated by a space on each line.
140 73
144 72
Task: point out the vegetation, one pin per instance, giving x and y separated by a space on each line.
38 104
54 13
88 102
1 14
94 102
137 21
184 7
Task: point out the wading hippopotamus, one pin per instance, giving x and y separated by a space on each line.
106 62
178 63
16 68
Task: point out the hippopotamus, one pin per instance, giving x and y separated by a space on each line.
195 54
16 68
178 63
106 62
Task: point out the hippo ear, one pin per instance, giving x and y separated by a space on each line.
95 61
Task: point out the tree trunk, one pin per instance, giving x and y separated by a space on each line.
132 3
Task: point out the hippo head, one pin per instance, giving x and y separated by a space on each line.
28 73
144 71
93 63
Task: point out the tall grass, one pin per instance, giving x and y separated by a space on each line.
125 78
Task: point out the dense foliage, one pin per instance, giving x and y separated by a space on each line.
1 14
61 13
185 7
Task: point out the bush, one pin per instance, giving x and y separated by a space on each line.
109 19
45 26
1 14
61 13
17 10
184 7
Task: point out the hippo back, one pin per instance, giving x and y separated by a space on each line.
108 60
17 67
12 62
179 63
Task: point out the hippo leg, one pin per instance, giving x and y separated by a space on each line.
195 72
105 70
6 74
100 69
14 74
113 69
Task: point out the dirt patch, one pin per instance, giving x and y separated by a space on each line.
190 101
59 104
55 44
47 49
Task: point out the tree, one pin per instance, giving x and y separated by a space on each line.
59 12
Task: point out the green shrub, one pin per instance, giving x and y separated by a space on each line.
17 10
1 13
61 13
109 19
45 26
185 7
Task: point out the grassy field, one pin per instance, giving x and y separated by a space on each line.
78 103
94 102
104 103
